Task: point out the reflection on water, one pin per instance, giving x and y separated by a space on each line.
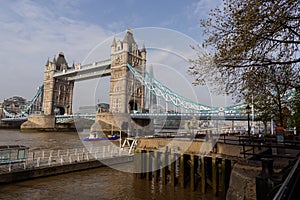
100 183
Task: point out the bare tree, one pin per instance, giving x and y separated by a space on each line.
253 51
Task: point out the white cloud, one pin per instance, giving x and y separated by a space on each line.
29 34
202 7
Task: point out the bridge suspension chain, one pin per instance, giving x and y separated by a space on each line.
168 95
162 91
24 112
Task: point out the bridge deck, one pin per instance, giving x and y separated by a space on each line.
85 72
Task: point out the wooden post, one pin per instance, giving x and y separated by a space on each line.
214 175
222 180
227 173
164 170
203 176
181 170
156 166
143 163
173 168
149 165
137 164
192 172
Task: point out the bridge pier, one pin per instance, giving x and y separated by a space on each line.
110 122
45 123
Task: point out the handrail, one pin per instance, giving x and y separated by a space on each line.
282 190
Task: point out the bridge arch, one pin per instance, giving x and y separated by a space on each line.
133 106
59 110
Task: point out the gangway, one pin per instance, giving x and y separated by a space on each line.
130 143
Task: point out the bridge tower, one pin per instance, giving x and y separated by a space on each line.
58 93
126 93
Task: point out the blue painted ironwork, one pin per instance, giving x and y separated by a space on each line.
169 96
24 112
65 118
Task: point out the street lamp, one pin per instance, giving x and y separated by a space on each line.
248 110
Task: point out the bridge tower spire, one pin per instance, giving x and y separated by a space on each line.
58 93
126 94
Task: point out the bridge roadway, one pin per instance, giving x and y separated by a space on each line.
187 116
85 72
175 116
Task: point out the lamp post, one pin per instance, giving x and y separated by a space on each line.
248 110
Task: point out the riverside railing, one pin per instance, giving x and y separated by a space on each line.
42 158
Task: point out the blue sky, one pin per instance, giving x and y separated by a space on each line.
33 31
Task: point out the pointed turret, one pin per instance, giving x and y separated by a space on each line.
114 45
61 61
143 48
128 41
114 42
47 63
143 52
54 60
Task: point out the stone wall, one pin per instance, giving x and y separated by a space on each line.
59 169
243 182
39 122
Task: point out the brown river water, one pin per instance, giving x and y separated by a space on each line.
101 183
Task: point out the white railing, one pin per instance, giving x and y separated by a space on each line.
41 158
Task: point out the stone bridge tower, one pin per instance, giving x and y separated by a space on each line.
58 93
126 93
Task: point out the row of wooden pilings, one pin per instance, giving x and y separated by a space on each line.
184 170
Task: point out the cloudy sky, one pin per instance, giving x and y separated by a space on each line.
33 31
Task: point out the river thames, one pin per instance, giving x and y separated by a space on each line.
100 183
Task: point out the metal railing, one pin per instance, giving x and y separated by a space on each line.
251 144
287 189
41 158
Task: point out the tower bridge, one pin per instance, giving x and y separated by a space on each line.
130 86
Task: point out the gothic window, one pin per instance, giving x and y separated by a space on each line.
114 103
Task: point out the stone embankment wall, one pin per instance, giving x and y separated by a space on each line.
31 173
